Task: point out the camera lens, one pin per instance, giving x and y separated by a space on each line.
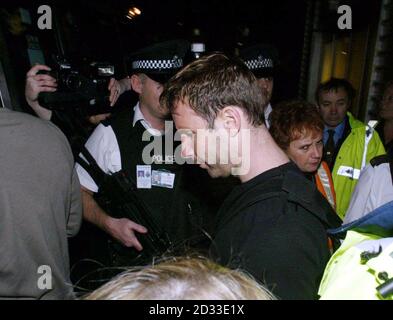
73 82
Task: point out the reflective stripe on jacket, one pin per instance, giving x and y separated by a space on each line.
356 270
356 151
362 268
324 181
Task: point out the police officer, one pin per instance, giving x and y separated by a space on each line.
262 60
120 144
374 189
362 268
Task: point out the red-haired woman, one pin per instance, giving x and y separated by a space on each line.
297 128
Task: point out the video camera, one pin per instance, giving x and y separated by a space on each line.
84 87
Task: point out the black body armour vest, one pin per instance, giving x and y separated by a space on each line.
180 210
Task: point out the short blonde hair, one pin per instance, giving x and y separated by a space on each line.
182 278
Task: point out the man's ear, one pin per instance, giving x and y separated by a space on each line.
231 117
136 83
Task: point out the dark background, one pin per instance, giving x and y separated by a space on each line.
99 30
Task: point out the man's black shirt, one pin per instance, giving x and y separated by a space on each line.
274 226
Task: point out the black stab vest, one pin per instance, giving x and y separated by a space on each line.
179 211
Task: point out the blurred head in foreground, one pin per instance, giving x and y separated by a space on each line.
182 278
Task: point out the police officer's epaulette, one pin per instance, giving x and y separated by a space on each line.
384 158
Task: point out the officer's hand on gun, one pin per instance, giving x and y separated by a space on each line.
123 230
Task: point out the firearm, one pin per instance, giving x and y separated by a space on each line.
117 196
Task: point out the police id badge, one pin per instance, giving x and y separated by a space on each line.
143 177
163 179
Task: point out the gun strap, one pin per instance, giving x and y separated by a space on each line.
90 165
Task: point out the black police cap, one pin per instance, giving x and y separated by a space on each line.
160 61
261 59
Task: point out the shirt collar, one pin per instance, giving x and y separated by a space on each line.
267 112
340 128
138 116
338 131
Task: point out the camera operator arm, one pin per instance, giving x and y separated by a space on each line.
36 83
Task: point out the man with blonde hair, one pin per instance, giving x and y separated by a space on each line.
182 278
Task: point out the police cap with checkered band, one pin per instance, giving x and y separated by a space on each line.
261 59
160 61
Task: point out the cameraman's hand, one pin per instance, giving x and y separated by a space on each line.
36 83
123 230
118 87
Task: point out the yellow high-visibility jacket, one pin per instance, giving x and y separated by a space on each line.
361 145
347 278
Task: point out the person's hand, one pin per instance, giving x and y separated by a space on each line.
36 83
123 230
116 88
96 119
